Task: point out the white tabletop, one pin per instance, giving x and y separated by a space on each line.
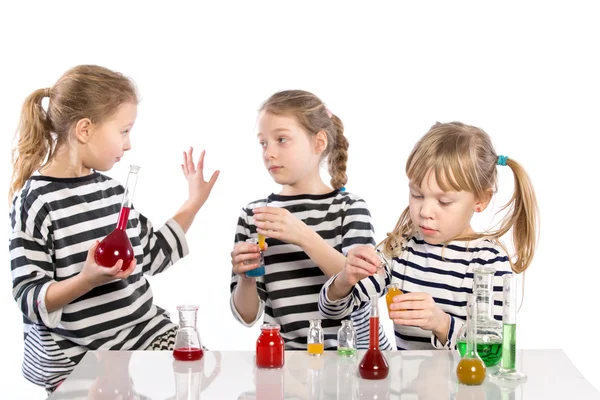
232 375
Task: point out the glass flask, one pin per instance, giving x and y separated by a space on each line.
116 246
187 341
508 371
471 368
316 338
489 331
346 338
374 365
270 347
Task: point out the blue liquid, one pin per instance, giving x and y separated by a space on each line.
255 273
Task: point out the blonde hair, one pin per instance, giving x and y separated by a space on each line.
85 91
462 158
313 116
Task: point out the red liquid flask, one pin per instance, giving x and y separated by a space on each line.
116 246
270 347
374 365
187 341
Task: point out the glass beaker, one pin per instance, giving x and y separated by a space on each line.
187 341
270 347
374 365
260 270
316 338
508 371
346 339
116 246
489 331
471 368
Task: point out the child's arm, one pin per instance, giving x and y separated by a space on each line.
349 290
248 295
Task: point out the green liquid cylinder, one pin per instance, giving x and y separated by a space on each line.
509 346
490 353
344 351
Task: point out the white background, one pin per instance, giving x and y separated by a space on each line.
526 73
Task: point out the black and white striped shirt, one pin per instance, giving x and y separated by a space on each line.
445 272
289 290
54 223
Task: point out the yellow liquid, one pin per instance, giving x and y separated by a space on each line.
261 241
389 297
315 349
470 371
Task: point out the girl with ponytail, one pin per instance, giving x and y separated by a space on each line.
310 226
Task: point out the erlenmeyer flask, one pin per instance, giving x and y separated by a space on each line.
116 246
187 341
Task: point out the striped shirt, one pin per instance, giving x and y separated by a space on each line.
289 290
445 272
54 223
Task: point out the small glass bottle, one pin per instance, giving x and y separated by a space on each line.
393 290
374 365
260 270
508 371
346 338
316 338
471 369
489 331
187 341
116 246
270 347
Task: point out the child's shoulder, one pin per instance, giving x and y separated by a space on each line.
486 252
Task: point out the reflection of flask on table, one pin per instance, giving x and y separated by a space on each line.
269 383
314 378
346 378
191 379
187 341
116 246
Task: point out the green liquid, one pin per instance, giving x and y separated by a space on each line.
344 351
509 346
490 353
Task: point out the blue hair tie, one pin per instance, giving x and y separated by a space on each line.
502 160
343 189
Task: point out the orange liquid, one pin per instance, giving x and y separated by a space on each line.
389 297
315 348
261 241
470 371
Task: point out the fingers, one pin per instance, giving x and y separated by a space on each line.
213 179
366 253
92 250
266 211
243 247
410 322
200 166
114 270
360 265
190 161
241 258
125 273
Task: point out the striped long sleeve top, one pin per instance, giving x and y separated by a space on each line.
54 223
289 290
445 272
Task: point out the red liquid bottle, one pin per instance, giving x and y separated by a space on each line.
374 365
187 341
116 246
270 347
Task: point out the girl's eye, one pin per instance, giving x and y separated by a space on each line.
263 144
416 196
283 140
445 203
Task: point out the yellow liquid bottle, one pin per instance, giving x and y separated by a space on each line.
315 339
393 291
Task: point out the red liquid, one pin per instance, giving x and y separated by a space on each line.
188 354
270 349
373 365
116 246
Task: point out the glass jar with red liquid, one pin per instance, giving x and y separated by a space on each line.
270 347
116 246
187 341
374 365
